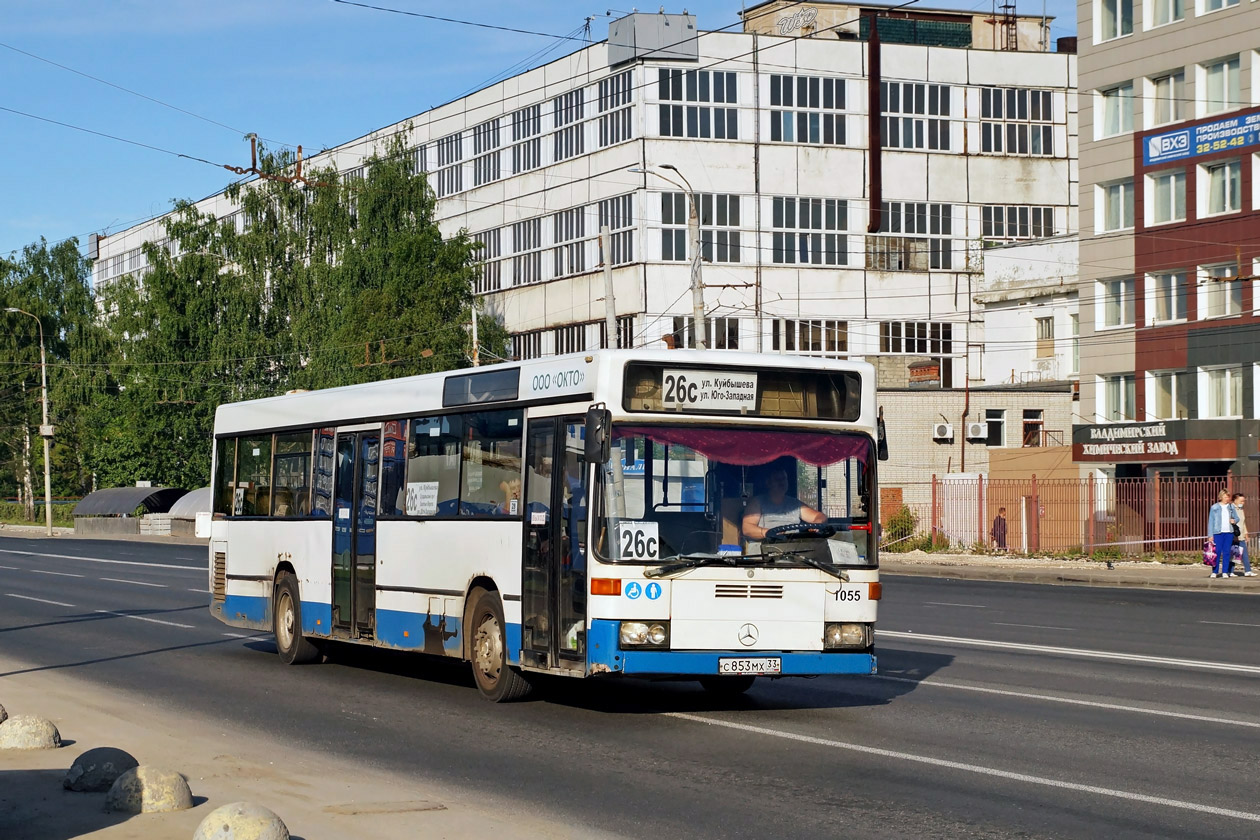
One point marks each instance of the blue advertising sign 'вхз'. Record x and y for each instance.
(1219, 136)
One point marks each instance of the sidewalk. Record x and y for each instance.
(318, 796)
(1129, 573)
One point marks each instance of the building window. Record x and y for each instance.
(450, 174)
(1166, 393)
(1217, 5)
(1168, 94)
(1034, 424)
(698, 120)
(569, 232)
(1167, 297)
(615, 95)
(916, 338)
(1045, 337)
(1117, 110)
(617, 214)
(723, 333)
(807, 231)
(1016, 222)
(1016, 121)
(570, 339)
(1117, 205)
(674, 231)
(924, 243)
(489, 277)
(1116, 18)
(567, 111)
(1220, 294)
(1224, 187)
(995, 421)
(1075, 321)
(527, 345)
(915, 115)
(417, 160)
(625, 332)
(807, 109)
(1167, 196)
(1220, 392)
(527, 252)
(1222, 81)
(814, 338)
(1117, 298)
(1167, 11)
(527, 144)
(1119, 397)
(486, 150)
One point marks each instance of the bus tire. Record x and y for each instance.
(286, 624)
(487, 648)
(727, 686)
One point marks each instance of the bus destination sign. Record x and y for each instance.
(709, 390)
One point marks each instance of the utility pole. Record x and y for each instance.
(699, 323)
(476, 356)
(610, 310)
(45, 429)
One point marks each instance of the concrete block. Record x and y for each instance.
(241, 821)
(27, 732)
(96, 770)
(149, 790)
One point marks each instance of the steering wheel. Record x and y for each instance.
(821, 530)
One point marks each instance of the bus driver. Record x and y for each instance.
(775, 508)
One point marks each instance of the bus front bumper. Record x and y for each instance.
(604, 655)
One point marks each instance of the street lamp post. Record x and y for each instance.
(45, 430)
(700, 323)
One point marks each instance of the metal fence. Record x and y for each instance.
(1127, 515)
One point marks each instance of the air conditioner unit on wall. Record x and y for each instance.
(942, 431)
(977, 431)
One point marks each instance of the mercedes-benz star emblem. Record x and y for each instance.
(748, 634)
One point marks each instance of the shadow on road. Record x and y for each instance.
(120, 656)
(100, 616)
(35, 806)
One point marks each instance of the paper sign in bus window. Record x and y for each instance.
(422, 498)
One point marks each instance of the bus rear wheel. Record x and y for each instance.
(727, 686)
(487, 648)
(286, 621)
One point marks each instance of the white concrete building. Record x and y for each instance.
(774, 133)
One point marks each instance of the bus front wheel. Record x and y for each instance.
(293, 647)
(497, 680)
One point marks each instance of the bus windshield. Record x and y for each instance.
(676, 491)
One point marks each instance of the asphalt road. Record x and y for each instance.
(1001, 710)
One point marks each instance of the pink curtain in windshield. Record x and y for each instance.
(749, 448)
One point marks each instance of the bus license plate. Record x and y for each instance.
(759, 665)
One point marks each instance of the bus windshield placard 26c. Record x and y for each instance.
(709, 390)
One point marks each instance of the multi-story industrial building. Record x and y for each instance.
(849, 163)
(1170, 234)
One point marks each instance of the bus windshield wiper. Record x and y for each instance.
(679, 563)
(803, 557)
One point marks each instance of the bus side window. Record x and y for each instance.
(433, 466)
(253, 475)
(321, 505)
(224, 474)
(491, 462)
(291, 496)
(393, 481)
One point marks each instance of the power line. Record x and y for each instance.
(472, 23)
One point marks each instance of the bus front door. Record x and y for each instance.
(354, 534)
(553, 602)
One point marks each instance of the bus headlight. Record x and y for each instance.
(645, 634)
(847, 636)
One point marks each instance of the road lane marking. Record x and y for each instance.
(1230, 623)
(203, 591)
(10, 568)
(1087, 654)
(145, 618)
(947, 604)
(1035, 626)
(240, 635)
(972, 768)
(103, 560)
(1094, 704)
(40, 600)
(59, 574)
(135, 582)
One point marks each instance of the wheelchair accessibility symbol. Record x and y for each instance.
(653, 591)
(634, 590)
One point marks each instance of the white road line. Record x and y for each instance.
(10, 568)
(1035, 626)
(135, 582)
(40, 600)
(239, 635)
(1230, 623)
(973, 768)
(1087, 654)
(145, 618)
(947, 604)
(103, 560)
(1093, 704)
(59, 574)
(204, 591)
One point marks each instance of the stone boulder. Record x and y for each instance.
(241, 821)
(96, 770)
(148, 790)
(27, 732)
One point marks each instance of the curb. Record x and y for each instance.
(1182, 581)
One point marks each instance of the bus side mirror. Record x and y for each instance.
(598, 438)
(881, 446)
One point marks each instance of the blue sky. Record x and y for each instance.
(312, 72)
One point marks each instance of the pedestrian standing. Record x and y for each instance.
(1240, 538)
(1221, 532)
(998, 531)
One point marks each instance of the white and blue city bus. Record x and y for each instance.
(659, 514)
